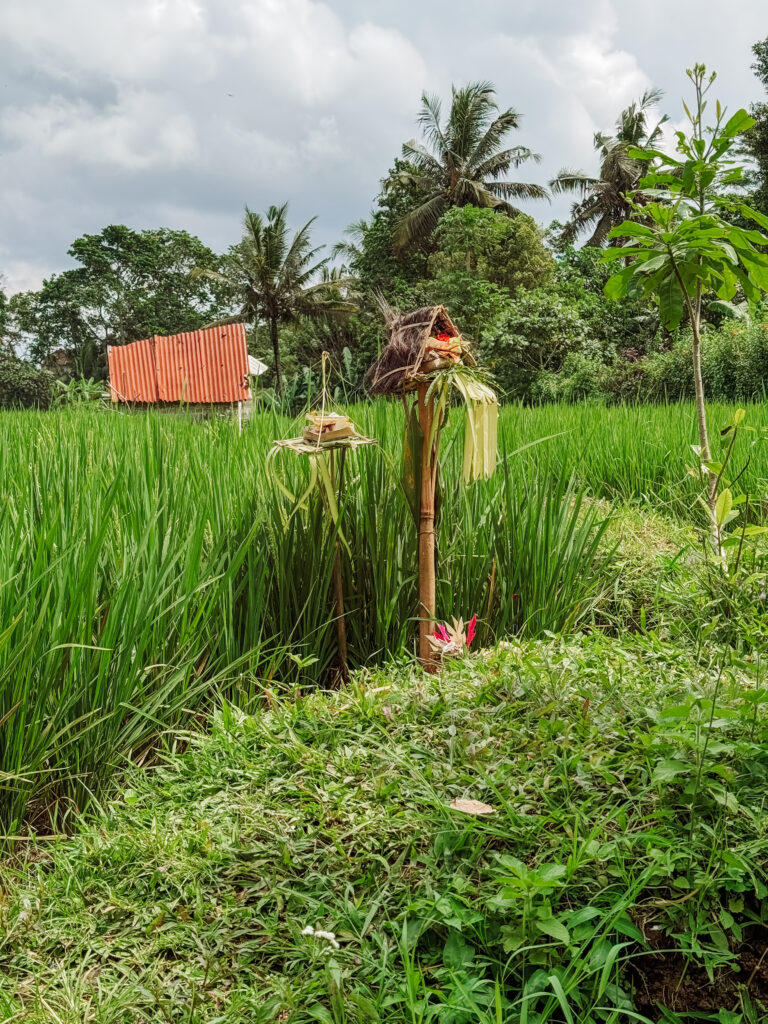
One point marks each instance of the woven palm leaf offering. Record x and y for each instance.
(424, 361)
(329, 426)
(326, 439)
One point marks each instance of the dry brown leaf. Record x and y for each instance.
(472, 807)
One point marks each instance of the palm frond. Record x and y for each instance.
(422, 160)
(497, 131)
(600, 233)
(421, 222)
(517, 190)
(568, 180)
(429, 118)
(472, 108)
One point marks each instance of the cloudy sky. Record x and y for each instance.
(177, 112)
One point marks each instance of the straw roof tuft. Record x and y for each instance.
(404, 360)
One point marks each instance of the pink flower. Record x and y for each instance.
(471, 626)
(452, 640)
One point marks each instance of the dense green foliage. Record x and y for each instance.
(128, 285)
(505, 251)
(23, 386)
(625, 866)
(757, 137)
(734, 365)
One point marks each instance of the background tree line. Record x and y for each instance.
(444, 228)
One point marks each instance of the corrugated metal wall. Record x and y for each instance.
(204, 367)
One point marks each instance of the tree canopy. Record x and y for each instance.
(463, 161)
(129, 285)
(507, 251)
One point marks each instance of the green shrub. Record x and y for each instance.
(734, 367)
(22, 386)
(534, 333)
(581, 378)
(504, 251)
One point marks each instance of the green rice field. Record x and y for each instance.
(149, 564)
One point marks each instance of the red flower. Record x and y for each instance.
(471, 626)
(451, 641)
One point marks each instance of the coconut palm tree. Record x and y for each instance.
(461, 162)
(350, 247)
(272, 276)
(603, 202)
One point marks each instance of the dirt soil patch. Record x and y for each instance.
(667, 979)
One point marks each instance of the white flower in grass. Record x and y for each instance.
(317, 933)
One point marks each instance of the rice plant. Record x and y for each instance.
(149, 565)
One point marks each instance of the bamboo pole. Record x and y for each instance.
(427, 598)
(336, 581)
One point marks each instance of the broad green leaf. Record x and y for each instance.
(457, 952)
(554, 929)
(617, 285)
(751, 214)
(671, 303)
(723, 506)
(737, 123)
(666, 771)
(630, 229)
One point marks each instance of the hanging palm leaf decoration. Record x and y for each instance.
(325, 435)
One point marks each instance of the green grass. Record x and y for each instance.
(629, 813)
(149, 565)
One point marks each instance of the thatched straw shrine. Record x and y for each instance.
(419, 342)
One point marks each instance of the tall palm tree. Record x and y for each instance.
(272, 276)
(603, 202)
(461, 162)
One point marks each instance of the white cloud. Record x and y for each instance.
(135, 133)
(21, 275)
(178, 112)
(141, 109)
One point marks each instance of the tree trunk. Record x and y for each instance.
(275, 338)
(427, 656)
(701, 417)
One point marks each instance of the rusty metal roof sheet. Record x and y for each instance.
(208, 366)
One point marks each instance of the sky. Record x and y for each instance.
(176, 113)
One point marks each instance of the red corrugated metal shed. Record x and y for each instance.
(208, 366)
